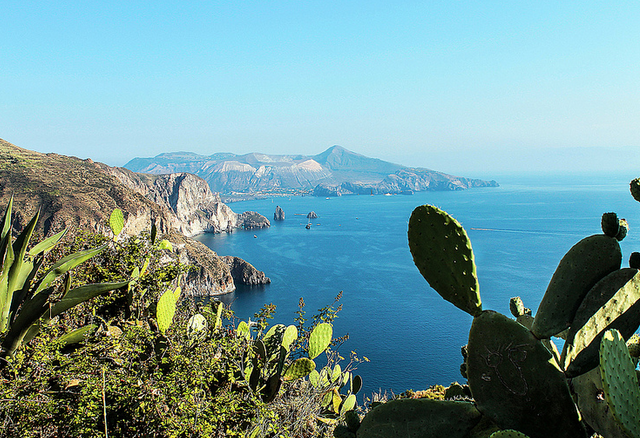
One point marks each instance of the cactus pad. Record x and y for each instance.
(515, 382)
(319, 339)
(634, 187)
(299, 368)
(509, 433)
(614, 302)
(610, 224)
(442, 253)
(166, 308)
(593, 406)
(620, 382)
(516, 306)
(586, 263)
(425, 418)
(116, 221)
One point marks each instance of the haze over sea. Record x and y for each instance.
(358, 245)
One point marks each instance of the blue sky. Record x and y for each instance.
(465, 87)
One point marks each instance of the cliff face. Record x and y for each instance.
(187, 196)
(70, 192)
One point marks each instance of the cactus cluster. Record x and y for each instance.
(268, 363)
(520, 384)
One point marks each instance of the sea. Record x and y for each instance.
(358, 246)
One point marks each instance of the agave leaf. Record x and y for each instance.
(31, 311)
(66, 264)
(81, 294)
(5, 304)
(19, 250)
(20, 295)
(78, 335)
(47, 243)
(5, 233)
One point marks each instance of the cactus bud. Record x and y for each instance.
(610, 224)
(634, 186)
(634, 260)
(516, 306)
(623, 230)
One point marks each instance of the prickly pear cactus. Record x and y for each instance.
(593, 406)
(610, 224)
(586, 263)
(166, 308)
(424, 418)
(116, 221)
(508, 434)
(299, 368)
(620, 382)
(515, 382)
(442, 252)
(319, 339)
(614, 302)
(634, 187)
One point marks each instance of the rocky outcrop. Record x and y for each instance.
(252, 219)
(278, 215)
(312, 215)
(70, 192)
(187, 196)
(244, 273)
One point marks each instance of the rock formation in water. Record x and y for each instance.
(244, 272)
(278, 215)
(70, 192)
(251, 219)
(312, 215)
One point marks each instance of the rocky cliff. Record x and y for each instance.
(190, 199)
(70, 192)
(244, 272)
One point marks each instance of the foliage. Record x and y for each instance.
(134, 371)
(28, 295)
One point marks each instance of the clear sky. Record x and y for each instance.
(464, 87)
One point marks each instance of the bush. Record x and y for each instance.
(125, 377)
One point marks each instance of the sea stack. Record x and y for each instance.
(279, 214)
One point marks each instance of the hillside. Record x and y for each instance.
(75, 193)
(333, 172)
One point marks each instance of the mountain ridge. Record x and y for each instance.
(333, 172)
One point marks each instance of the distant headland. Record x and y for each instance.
(335, 172)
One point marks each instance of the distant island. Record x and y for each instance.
(335, 172)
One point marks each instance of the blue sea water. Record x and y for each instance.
(358, 245)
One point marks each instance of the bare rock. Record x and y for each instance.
(243, 272)
(250, 220)
(279, 214)
(312, 215)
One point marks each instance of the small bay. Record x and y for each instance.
(358, 245)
